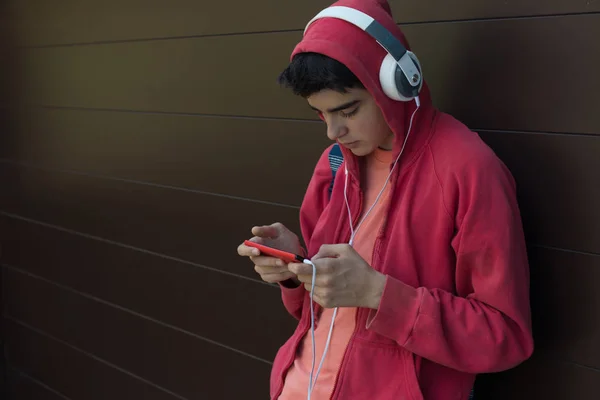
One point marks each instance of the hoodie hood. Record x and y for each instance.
(357, 50)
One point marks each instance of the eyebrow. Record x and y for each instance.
(340, 107)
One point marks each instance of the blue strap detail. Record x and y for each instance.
(335, 160)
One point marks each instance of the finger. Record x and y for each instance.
(323, 272)
(321, 297)
(301, 269)
(276, 277)
(267, 231)
(270, 269)
(247, 251)
(267, 261)
(306, 279)
(323, 281)
(330, 251)
(317, 292)
(324, 266)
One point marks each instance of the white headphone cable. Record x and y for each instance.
(312, 382)
(353, 232)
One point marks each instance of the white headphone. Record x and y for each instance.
(400, 72)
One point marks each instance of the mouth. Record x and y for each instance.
(350, 144)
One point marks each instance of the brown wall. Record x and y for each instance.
(124, 193)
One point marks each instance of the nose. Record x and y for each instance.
(335, 128)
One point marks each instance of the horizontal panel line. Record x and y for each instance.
(134, 313)
(38, 382)
(157, 39)
(66, 288)
(94, 357)
(143, 183)
(506, 18)
(138, 249)
(529, 132)
(594, 369)
(258, 118)
(27, 165)
(585, 253)
(175, 113)
(299, 30)
(216, 270)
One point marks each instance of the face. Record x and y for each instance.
(353, 119)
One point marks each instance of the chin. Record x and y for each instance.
(361, 151)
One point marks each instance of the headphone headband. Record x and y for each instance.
(378, 32)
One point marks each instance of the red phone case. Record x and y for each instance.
(282, 255)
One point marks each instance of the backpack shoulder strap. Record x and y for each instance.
(335, 160)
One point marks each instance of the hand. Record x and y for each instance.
(271, 269)
(344, 278)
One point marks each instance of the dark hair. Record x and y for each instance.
(309, 73)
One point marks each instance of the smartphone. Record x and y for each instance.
(270, 251)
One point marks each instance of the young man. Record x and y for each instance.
(418, 250)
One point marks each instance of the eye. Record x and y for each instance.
(349, 114)
(320, 115)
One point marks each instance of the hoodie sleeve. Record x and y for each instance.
(315, 200)
(484, 327)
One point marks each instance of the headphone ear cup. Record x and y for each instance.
(394, 83)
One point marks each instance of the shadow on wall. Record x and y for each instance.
(7, 102)
(481, 62)
(9, 79)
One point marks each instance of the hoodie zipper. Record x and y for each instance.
(342, 363)
(307, 326)
(334, 390)
(376, 253)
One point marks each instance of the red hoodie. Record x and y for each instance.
(456, 300)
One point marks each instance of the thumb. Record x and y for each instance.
(267, 231)
(330, 251)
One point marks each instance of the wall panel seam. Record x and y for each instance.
(138, 249)
(262, 118)
(299, 30)
(37, 382)
(131, 312)
(92, 356)
(172, 113)
(585, 253)
(143, 183)
(587, 367)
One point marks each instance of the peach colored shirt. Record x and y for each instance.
(296, 381)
